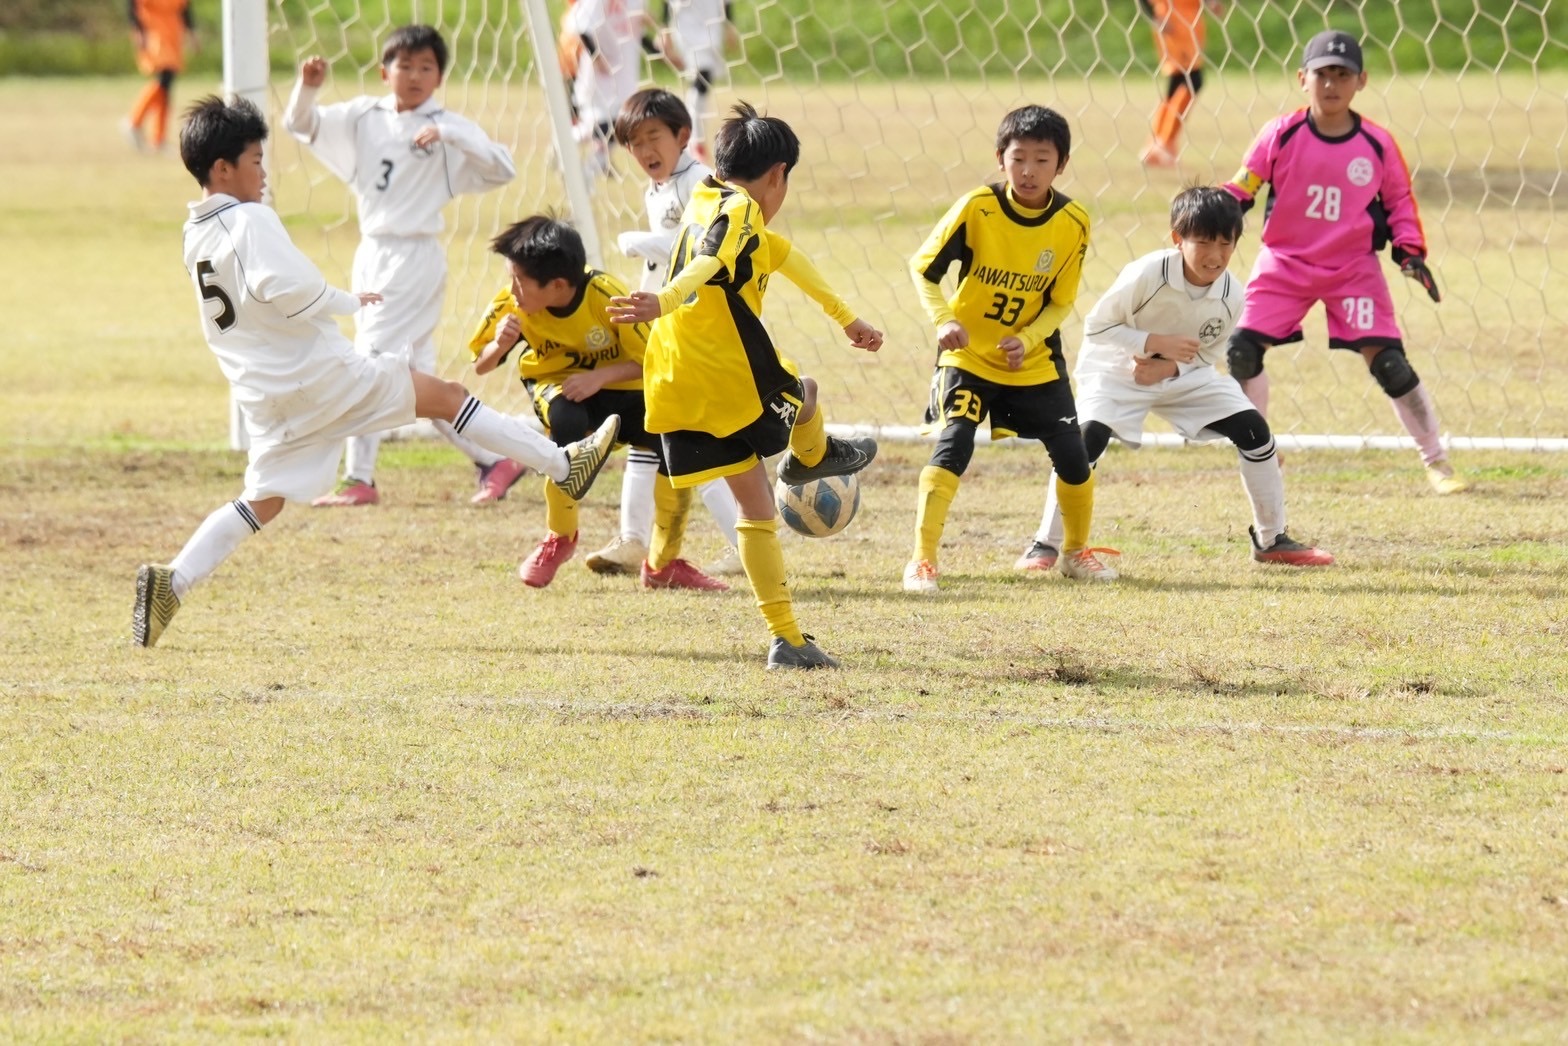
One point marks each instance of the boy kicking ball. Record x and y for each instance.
(266, 312)
(1150, 345)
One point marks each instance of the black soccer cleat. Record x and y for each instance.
(844, 457)
(808, 655)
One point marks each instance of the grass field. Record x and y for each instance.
(370, 786)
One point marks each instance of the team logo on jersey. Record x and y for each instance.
(672, 216)
(422, 151)
(1046, 260)
(1360, 171)
(597, 337)
(1210, 331)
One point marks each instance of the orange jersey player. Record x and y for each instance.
(161, 31)
(1179, 35)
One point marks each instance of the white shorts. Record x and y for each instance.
(1188, 401)
(410, 271)
(304, 468)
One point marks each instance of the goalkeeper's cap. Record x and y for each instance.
(1332, 47)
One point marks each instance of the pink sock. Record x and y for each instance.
(1418, 415)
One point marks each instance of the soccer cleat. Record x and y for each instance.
(727, 565)
(1157, 155)
(1445, 480)
(587, 456)
(349, 492)
(621, 556)
(1289, 551)
(1084, 565)
(920, 576)
(539, 568)
(784, 654)
(1038, 556)
(496, 480)
(133, 137)
(156, 604)
(844, 457)
(678, 573)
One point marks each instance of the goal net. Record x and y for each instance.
(896, 105)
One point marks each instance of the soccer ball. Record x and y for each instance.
(819, 508)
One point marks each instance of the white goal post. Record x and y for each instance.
(896, 111)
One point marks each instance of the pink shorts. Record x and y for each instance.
(1359, 307)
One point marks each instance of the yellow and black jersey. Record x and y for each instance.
(1018, 274)
(578, 336)
(710, 364)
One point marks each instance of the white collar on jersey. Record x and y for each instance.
(426, 108)
(1176, 275)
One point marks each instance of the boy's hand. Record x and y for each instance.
(578, 387)
(1414, 266)
(1172, 347)
(636, 307)
(427, 136)
(369, 298)
(508, 331)
(1149, 371)
(1013, 349)
(864, 336)
(951, 335)
(313, 71)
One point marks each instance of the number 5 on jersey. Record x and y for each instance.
(213, 292)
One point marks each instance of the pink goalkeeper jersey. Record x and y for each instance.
(1331, 199)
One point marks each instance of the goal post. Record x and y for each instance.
(896, 105)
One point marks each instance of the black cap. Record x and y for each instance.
(1332, 47)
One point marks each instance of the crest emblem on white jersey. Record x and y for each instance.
(1045, 261)
(422, 151)
(1210, 331)
(597, 337)
(1360, 171)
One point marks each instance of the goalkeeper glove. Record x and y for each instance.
(1414, 266)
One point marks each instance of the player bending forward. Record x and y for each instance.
(266, 312)
(1150, 344)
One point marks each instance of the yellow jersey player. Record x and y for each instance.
(719, 394)
(580, 368)
(1019, 246)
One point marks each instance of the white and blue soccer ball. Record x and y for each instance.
(820, 508)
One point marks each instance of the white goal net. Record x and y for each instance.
(896, 105)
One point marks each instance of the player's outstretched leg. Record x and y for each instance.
(813, 454)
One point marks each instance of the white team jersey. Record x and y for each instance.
(617, 28)
(401, 188)
(666, 202)
(1151, 296)
(267, 311)
(698, 26)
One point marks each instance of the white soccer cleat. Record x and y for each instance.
(1085, 565)
(920, 576)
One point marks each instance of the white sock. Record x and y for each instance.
(1418, 414)
(477, 454)
(717, 496)
(214, 541)
(1265, 487)
(360, 461)
(511, 438)
(642, 468)
(1051, 531)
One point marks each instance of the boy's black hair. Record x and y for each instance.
(652, 103)
(408, 39)
(217, 130)
(749, 144)
(1206, 212)
(545, 249)
(1035, 123)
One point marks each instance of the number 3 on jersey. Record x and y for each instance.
(1005, 309)
(213, 292)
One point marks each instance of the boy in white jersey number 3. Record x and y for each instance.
(404, 156)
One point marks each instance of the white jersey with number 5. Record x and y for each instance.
(266, 312)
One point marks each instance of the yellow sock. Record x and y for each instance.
(757, 541)
(938, 487)
(1077, 511)
(808, 440)
(671, 507)
(560, 511)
